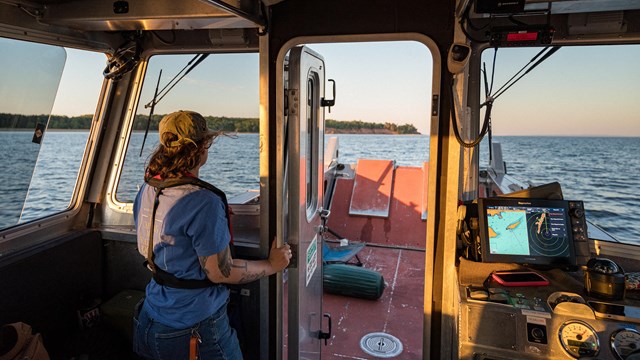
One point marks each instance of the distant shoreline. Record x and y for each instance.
(329, 131)
(19, 122)
(332, 131)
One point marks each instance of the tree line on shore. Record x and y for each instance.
(223, 123)
(357, 126)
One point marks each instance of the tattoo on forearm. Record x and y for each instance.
(249, 277)
(241, 265)
(203, 263)
(224, 262)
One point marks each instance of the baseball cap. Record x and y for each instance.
(188, 126)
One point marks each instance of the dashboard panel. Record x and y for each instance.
(541, 323)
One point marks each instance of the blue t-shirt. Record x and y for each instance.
(190, 222)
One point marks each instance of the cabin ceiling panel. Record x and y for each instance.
(20, 23)
(334, 17)
(217, 40)
(581, 6)
(486, 8)
(300, 18)
(584, 28)
(99, 15)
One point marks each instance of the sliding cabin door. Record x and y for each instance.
(305, 144)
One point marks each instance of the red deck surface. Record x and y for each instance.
(396, 249)
(398, 312)
(404, 225)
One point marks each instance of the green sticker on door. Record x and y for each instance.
(312, 258)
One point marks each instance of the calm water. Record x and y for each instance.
(603, 172)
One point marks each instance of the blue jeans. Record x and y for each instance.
(153, 340)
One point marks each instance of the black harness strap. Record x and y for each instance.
(160, 276)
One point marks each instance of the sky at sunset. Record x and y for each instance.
(572, 93)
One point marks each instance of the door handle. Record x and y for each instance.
(325, 335)
(330, 102)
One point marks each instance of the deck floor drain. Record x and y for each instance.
(381, 345)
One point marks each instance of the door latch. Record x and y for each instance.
(325, 335)
(324, 213)
(324, 216)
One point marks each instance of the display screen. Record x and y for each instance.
(525, 231)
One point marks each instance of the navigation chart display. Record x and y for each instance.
(525, 231)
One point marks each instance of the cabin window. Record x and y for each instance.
(572, 119)
(48, 95)
(221, 87)
(311, 149)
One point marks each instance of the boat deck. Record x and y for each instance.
(398, 312)
(393, 227)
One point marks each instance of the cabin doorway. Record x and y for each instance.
(376, 141)
(304, 190)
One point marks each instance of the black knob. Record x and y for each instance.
(537, 333)
(577, 213)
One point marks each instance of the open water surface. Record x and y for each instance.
(604, 172)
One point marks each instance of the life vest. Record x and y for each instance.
(160, 276)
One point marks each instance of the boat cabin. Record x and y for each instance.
(505, 230)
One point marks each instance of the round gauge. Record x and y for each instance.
(624, 342)
(579, 339)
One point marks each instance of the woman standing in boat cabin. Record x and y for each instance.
(183, 230)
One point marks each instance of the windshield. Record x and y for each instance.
(574, 119)
(234, 159)
(30, 79)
